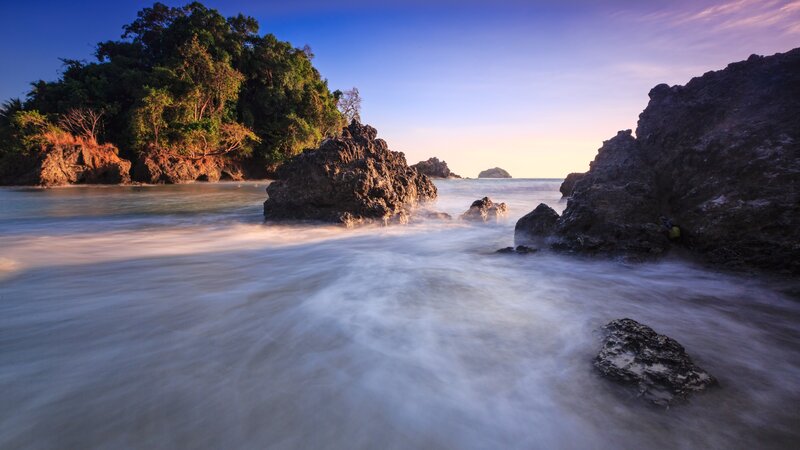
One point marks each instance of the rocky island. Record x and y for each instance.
(350, 179)
(714, 168)
(495, 172)
(434, 168)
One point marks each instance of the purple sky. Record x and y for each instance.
(533, 87)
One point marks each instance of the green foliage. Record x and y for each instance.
(189, 81)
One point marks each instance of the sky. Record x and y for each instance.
(533, 87)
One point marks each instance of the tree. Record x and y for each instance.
(149, 117)
(83, 122)
(349, 104)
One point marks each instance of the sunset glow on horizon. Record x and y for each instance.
(532, 87)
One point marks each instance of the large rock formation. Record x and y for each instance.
(485, 210)
(494, 173)
(351, 179)
(658, 365)
(156, 168)
(569, 183)
(434, 168)
(55, 165)
(714, 167)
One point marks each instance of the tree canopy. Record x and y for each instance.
(189, 81)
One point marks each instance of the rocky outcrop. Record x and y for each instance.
(657, 365)
(538, 223)
(569, 183)
(485, 210)
(714, 168)
(56, 165)
(494, 173)
(157, 168)
(350, 179)
(433, 168)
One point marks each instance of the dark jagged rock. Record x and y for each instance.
(520, 249)
(719, 158)
(56, 165)
(157, 168)
(484, 210)
(350, 179)
(569, 183)
(434, 168)
(494, 173)
(536, 224)
(658, 365)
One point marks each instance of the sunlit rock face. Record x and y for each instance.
(351, 179)
(495, 172)
(76, 163)
(485, 210)
(172, 169)
(434, 168)
(657, 365)
(719, 158)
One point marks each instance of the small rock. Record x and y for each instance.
(658, 365)
(434, 168)
(484, 210)
(506, 250)
(538, 223)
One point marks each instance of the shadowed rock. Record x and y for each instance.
(536, 224)
(569, 183)
(494, 173)
(657, 365)
(485, 210)
(350, 179)
(434, 168)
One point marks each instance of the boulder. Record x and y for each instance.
(657, 365)
(484, 210)
(56, 165)
(351, 179)
(494, 173)
(539, 223)
(569, 183)
(715, 165)
(168, 168)
(433, 168)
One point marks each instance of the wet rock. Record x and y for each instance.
(494, 173)
(718, 157)
(433, 168)
(55, 165)
(657, 365)
(485, 210)
(166, 168)
(538, 223)
(506, 250)
(520, 249)
(569, 183)
(350, 179)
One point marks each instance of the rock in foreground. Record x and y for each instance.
(714, 167)
(494, 173)
(434, 168)
(536, 224)
(350, 179)
(658, 365)
(485, 210)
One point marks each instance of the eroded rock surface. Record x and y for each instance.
(351, 179)
(657, 365)
(485, 210)
(57, 165)
(172, 169)
(434, 168)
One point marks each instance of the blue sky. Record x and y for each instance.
(533, 87)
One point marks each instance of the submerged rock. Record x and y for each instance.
(569, 183)
(658, 365)
(350, 179)
(434, 168)
(484, 210)
(157, 168)
(494, 173)
(718, 160)
(520, 249)
(538, 223)
(78, 163)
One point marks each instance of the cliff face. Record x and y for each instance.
(719, 158)
(434, 168)
(350, 179)
(55, 165)
(171, 169)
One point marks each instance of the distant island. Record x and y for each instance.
(187, 94)
(494, 173)
(434, 168)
